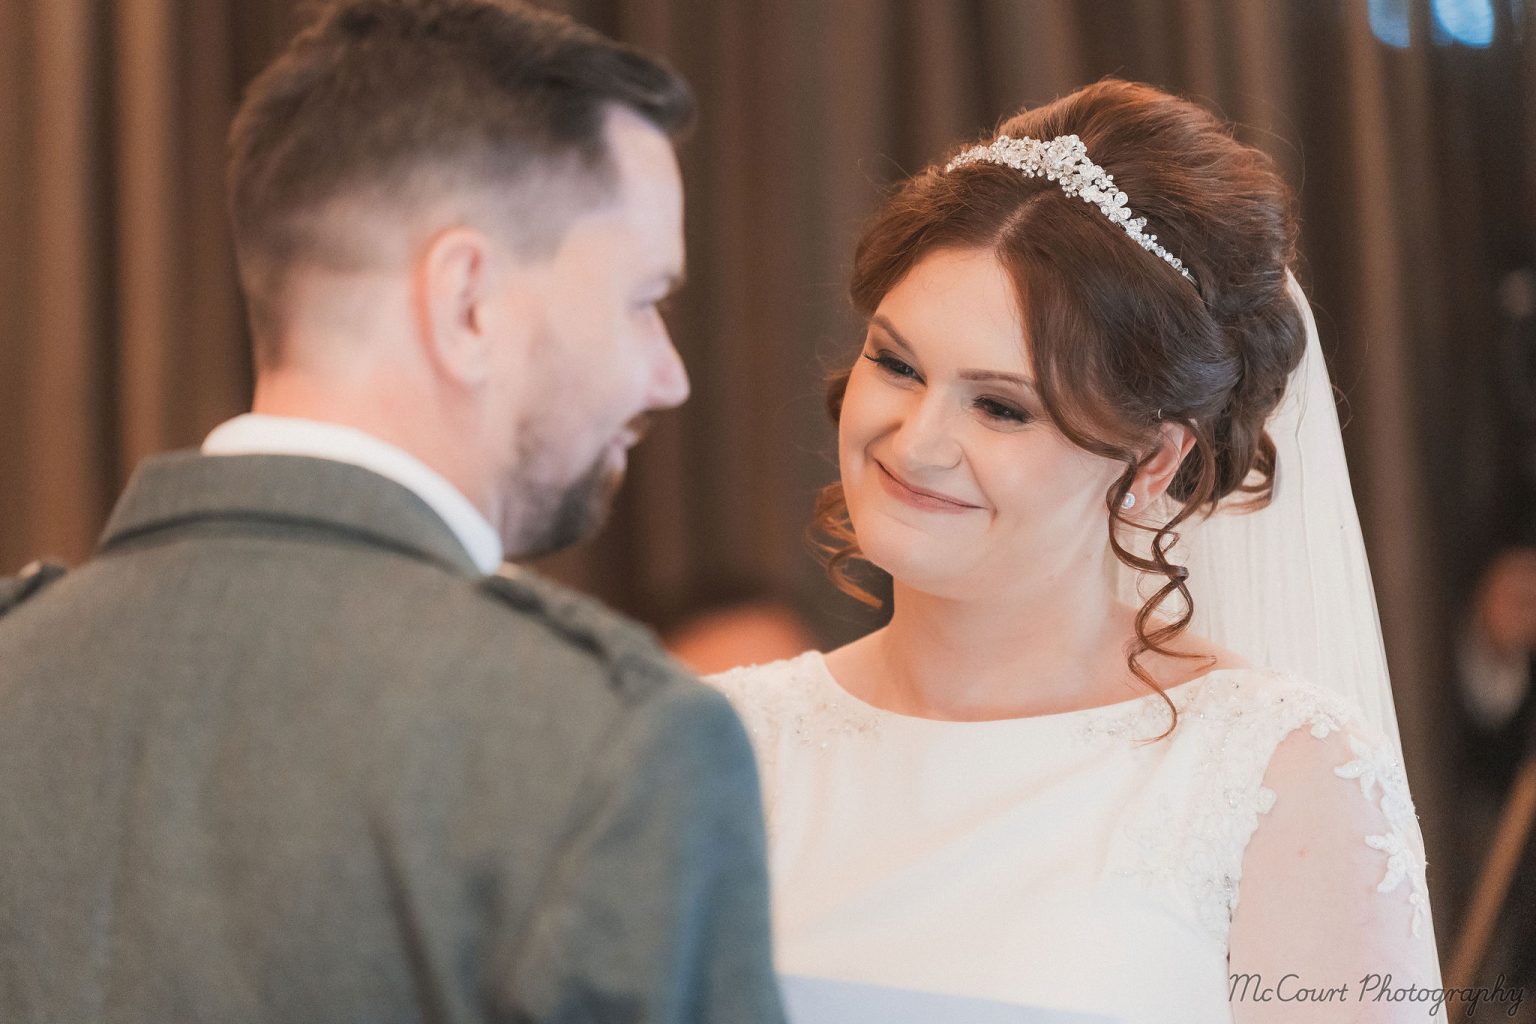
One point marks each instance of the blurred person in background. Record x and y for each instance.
(1497, 644)
(291, 746)
(728, 622)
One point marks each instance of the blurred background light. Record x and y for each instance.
(1389, 21)
(1469, 22)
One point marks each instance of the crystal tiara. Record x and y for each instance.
(1064, 160)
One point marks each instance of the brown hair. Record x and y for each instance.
(376, 93)
(1120, 341)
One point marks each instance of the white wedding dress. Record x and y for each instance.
(1055, 861)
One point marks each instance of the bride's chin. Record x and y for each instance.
(923, 555)
(928, 572)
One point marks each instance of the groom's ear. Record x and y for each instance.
(1162, 462)
(450, 279)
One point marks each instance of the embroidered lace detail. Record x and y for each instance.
(1193, 841)
(1139, 720)
(1188, 844)
(789, 701)
(1376, 768)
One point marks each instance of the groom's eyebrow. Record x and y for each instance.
(972, 375)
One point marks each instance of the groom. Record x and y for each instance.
(291, 748)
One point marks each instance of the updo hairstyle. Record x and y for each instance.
(1121, 343)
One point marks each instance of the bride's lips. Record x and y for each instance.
(931, 501)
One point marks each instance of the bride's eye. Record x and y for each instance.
(996, 410)
(893, 366)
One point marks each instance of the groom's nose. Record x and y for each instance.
(668, 384)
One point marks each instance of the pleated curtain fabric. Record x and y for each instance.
(120, 326)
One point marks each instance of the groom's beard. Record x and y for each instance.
(556, 518)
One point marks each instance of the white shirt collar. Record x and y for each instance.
(261, 434)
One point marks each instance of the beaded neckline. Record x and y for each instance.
(815, 663)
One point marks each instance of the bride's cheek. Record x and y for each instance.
(865, 416)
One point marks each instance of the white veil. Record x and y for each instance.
(1289, 587)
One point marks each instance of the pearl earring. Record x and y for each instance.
(1129, 501)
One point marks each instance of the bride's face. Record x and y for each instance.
(956, 482)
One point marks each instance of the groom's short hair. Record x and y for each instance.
(385, 106)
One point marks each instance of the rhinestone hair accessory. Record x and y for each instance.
(1064, 160)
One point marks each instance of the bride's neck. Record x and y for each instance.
(942, 657)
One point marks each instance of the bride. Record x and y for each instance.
(1126, 746)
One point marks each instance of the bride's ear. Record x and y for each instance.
(1159, 466)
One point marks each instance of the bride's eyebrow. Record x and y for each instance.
(973, 375)
(885, 325)
(1007, 378)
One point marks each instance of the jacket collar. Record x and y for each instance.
(182, 488)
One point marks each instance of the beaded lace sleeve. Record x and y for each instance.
(1331, 893)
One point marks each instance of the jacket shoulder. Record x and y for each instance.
(635, 664)
(30, 582)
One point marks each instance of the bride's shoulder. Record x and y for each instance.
(755, 685)
(1231, 687)
(1277, 700)
(1285, 757)
(1327, 778)
(1276, 718)
(1281, 687)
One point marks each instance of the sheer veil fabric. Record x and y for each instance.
(1288, 587)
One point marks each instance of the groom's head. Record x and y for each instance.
(454, 221)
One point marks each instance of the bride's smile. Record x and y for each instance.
(918, 497)
(954, 476)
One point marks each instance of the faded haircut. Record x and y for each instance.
(391, 105)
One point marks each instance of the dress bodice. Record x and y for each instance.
(1071, 860)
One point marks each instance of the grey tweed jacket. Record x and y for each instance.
(279, 753)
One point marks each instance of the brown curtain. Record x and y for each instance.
(118, 310)
(120, 330)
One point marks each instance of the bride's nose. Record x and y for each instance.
(925, 439)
